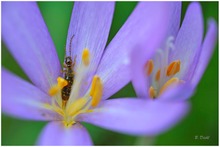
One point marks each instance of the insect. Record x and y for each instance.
(68, 75)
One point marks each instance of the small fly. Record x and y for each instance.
(68, 75)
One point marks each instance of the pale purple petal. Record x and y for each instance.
(144, 27)
(139, 79)
(55, 133)
(206, 53)
(188, 41)
(177, 93)
(136, 116)
(23, 100)
(90, 25)
(27, 38)
(174, 19)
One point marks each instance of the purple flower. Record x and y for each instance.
(172, 72)
(97, 76)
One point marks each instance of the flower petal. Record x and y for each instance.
(90, 25)
(22, 100)
(142, 54)
(139, 78)
(178, 93)
(188, 41)
(143, 26)
(26, 36)
(174, 19)
(136, 116)
(56, 134)
(207, 51)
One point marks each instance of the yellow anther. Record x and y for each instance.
(96, 91)
(152, 92)
(61, 82)
(86, 57)
(58, 87)
(53, 90)
(94, 80)
(76, 106)
(173, 68)
(149, 66)
(157, 77)
(170, 82)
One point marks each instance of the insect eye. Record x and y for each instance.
(68, 60)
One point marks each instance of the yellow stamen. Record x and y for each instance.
(173, 68)
(58, 87)
(68, 124)
(152, 92)
(149, 66)
(53, 90)
(76, 106)
(170, 82)
(96, 91)
(89, 111)
(157, 77)
(61, 82)
(86, 57)
(54, 108)
(94, 80)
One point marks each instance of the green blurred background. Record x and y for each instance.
(201, 121)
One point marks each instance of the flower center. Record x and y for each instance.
(70, 108)
(162, 73)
